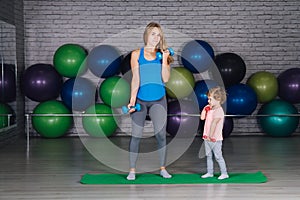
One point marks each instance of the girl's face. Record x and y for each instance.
(212, 101)
(154, 37)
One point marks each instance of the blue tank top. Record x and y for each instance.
(152, 87)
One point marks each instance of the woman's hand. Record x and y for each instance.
(131, 105)
(166, 54)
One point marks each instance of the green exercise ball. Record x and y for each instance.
(5, 110)
(115, 91)
(265, 85)
(278, 126)
(69, 60)
(181, 83)
(51, 126)
(99, 126)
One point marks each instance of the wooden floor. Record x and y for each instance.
(51, 169)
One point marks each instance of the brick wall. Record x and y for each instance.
(266, 34)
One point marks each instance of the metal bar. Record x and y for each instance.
(183, 115)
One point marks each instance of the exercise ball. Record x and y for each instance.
(126, 67)
(241, 100)
(231, 67)
(115, 91)
(181, 83)
(201, 88)
(5, 110)
(104, 61)
(78, 93)
(278, 126)
(51, 126)
(265, 85)
(69, 60)
(179, 125)
(99, 126)
(289, 85)
(227, 127)
(197, 56)
(7, 83)
(41, 82)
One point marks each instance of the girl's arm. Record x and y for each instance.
(135, 82)
(204, 112)
(165, 67)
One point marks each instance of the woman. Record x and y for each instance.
(149, 74)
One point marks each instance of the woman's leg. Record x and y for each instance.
(158, 115)
(138, 120)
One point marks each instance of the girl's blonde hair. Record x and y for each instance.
(162, 45)
(217, 93)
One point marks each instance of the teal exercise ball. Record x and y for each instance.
(278, 126)
(69, 60)
(99, 126)
(181, 83)
(51, 126)
(5, 110)
(265, 85)
(115, 91)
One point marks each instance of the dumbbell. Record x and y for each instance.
(125, 109)
(207, 108)
(159, 54)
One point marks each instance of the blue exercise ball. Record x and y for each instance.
(197, 56)
(41, 82)
(104, 61)
(78, 93)
(241, 100)
(201, 88)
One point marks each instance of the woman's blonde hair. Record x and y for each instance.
(217, 93)
(162, 45)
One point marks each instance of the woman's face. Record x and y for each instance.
(154, 37)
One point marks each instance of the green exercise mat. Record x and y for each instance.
(242, 178)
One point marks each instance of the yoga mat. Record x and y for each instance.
(242, 178)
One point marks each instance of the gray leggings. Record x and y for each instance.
(158, 115)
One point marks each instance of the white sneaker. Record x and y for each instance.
(207, 175)
(131, 176)
(165, 174)
(223, 176)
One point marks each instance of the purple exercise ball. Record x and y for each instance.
(182, 126)
(7, 84)
(228, 127)
(41, 82)
(289, 85)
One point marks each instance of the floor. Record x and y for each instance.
(52, 168)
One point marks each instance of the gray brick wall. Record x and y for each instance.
(266, 34)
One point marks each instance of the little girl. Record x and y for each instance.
(213, 114)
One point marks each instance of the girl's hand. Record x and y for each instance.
(204, 137)
(212, 139)
(207, 108)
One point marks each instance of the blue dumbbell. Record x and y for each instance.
(125, 109)
(159, 54)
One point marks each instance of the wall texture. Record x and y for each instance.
(266, 34)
